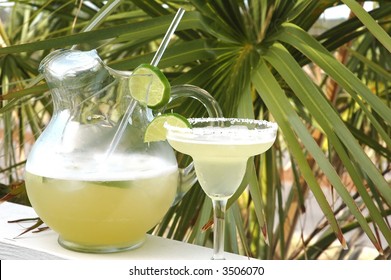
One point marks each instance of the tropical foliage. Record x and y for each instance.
(329, 93)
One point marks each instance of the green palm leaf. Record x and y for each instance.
(290, 124)
(370, 23)
(140, 30)
(249, 55)
(317, 106)
(318, 54)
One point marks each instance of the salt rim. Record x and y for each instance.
(232, 121)
(225, 131)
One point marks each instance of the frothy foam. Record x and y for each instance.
(115, 168)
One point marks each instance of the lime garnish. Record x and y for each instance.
(150, 77)
(155, 130)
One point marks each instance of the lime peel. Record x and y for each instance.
(155, 131)
(149, 85)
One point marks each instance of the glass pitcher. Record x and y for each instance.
(90, 176)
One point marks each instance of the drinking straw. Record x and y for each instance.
(158, 55)
(167, 37)
(120, 130)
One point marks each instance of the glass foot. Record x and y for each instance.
(99, 249)
(216, 258)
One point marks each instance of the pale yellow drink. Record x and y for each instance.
(220, 148)
(220, 162)
(95, 214)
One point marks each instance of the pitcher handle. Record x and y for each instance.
(187, 176)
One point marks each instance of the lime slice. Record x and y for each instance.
(155, 130)
(150, 77)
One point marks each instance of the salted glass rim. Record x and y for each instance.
(265, 127)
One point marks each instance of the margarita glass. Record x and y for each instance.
(220, 148)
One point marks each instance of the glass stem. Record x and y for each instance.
(219, 207)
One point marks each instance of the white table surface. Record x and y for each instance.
(44, 245)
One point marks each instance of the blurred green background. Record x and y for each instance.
(324, 79)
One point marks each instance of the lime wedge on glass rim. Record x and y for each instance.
(149, 85)
(155, 130)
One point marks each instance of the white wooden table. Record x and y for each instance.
(44, 245)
